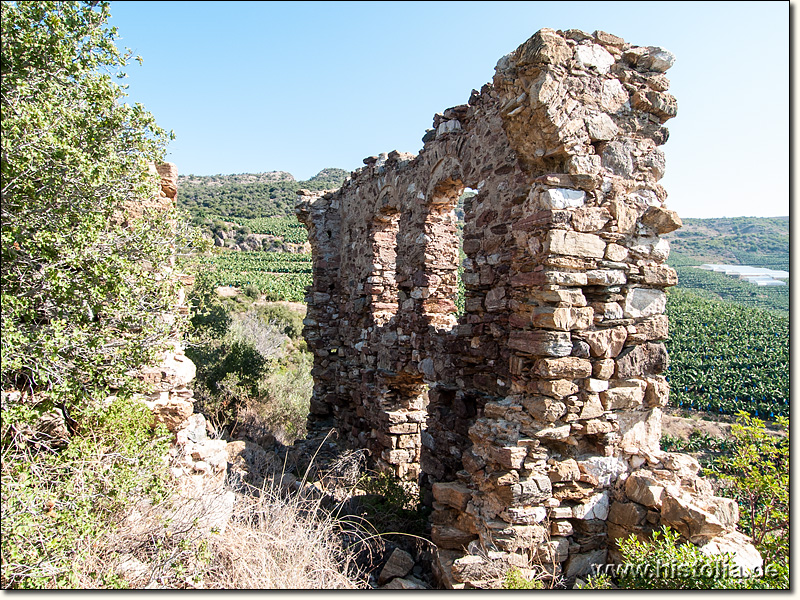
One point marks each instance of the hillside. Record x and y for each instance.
(754, 241)
(249, 195)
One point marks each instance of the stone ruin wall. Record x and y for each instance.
(535, 417)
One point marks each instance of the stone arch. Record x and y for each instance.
(382, 280)
(437, 277)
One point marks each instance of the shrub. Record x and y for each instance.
(514, 580)
(664, 564)
(81, 281)
(251, 291)
(57, 504)
(756, 474)
(286, 319)
(83, 287)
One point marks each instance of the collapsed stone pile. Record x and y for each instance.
(534, 417)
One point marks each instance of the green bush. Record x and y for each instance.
(83, 288)
(81, 278)
(514, 580)
(286, 319)
(664, 564)
(58, 503)
(392, 505)
(756, 474)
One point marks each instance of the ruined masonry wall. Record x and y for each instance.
(536, 415)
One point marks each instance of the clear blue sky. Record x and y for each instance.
(300, 86)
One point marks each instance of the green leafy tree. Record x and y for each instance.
(81, 279)
(757, 475)
(86, 292)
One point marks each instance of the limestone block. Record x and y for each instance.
(560, 198)
(565, 278)
(563, 319)
(564, 470)
(534, 489)
(592, 406)
(452, 494)
(662, 220)
(554, 433)
(579, 565)
(554, 551)
(604, 369)
(541, 343)
(604, 469)
(616, 253)
(573, 243)
(624, 394)
(544, 408)
(657, 393)
(641, 487)
(509, 457)
(563, 528)
(651, 247)
(725, 510)
(517, 537)
(405, 583)
(595, 507)
(612, 95)
(601, 127)
(496, 299)
(652, 328)
(596, 426)
(567, 297)
(607, 311)
(605, 343)
(451, 538)
(569, 367)
(247, 459)
(399, 564)
(640, 429)
(745, 556)
(595, 56)
(688, 519)
(651, 58)
(644, 359)
(526, 515)
(606, 277)
(396, 457)
(557, 388)
(561, 512)
(660, 275)
(644, 302)
(627, 514)
(596, 385)
(544, 47)
(171, 412)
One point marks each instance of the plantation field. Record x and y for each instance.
(725, 357)
(288, 228)
(278, 275)
(722, 287)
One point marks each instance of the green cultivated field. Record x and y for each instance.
(722, 287)
(278, 275)
(725, 357)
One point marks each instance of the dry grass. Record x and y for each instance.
(272, 539)
(282, 543)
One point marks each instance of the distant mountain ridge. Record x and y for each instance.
(215, 180)
(737, 240)
(249, 195)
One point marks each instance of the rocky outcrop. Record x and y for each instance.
(535, 416)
